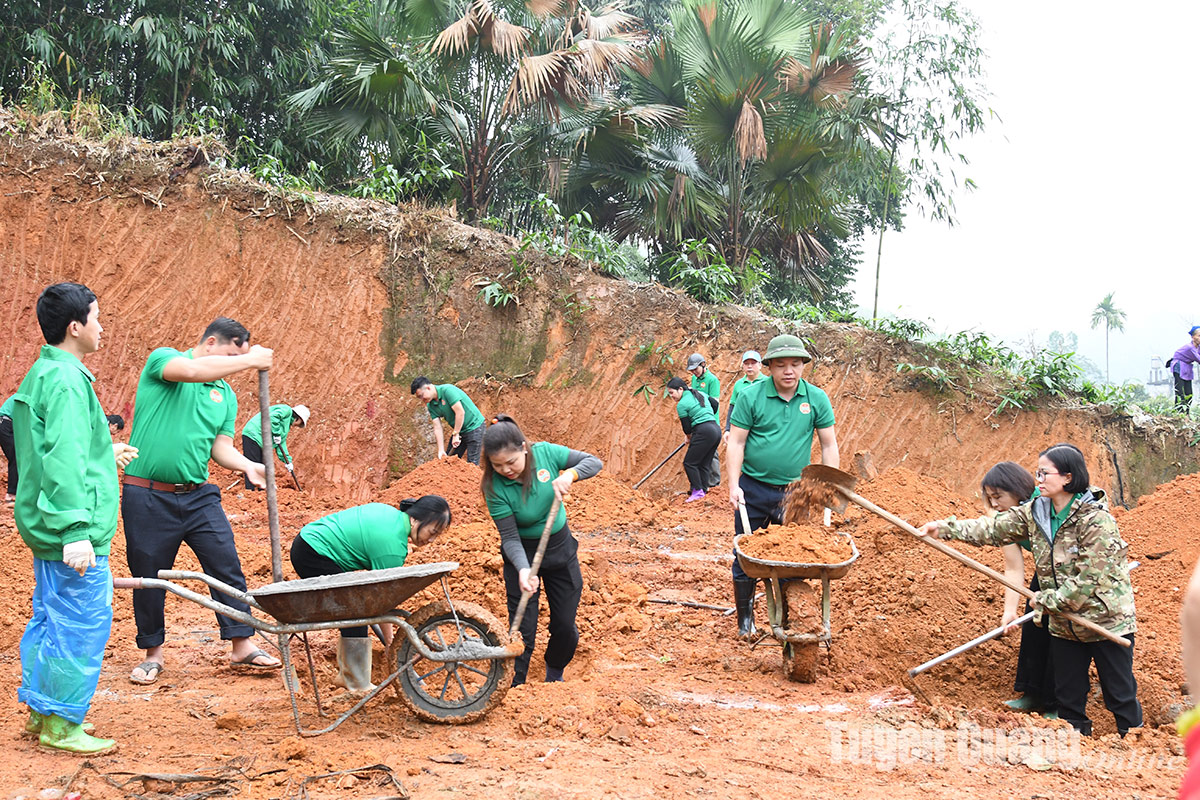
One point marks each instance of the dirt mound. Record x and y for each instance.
(797, 544)
(452, 478)
(602, 502)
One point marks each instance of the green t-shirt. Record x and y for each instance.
(68, 490)
(708, 384)
(176, 423)
(696, 411)
(371, 536)
(6, 410)
(780, 432)
(744, 383)
(442, 407)
(281, 424)
(507, 497)
(1059, 517)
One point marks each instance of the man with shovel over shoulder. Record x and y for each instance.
(770, 442)
(283, 417)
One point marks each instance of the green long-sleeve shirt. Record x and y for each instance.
(281, 425)
(68, 488)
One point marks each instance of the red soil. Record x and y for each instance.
(797, 544)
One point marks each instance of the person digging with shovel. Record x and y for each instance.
(283, 417)
(770, 442)
(371, 536)
(1082, 566)
(703, 434)
(522, 483)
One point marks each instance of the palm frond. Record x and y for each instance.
(506, 40)
(455, 38)
(609, 21)
(539, 77)
(748, 134)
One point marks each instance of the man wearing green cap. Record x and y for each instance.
(770, 442)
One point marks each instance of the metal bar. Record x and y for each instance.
(312, 673)
(660, 466)
(723, 609)
(962, 648)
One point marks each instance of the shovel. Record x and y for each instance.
(534, 567)
(843, 483)
(660, 466)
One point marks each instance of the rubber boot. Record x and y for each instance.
(743, 601)
(34, 725)
(354, 664)
(62, 734)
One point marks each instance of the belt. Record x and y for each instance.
(159, 486)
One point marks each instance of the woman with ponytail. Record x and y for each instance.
(371, 536)
(521, 481)
(703, 434)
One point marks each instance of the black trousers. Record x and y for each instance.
(1114, 665)
(1183, 393)
(697, 461)
(1035, 667)
(470, 443)
(560, 577)
(10, 452)
(253, 451)
(156, 523)
(764, 505)
(308, 563)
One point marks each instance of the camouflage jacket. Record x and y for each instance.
(1083, 569)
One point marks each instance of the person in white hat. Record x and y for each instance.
(282, 418)
(752, 366)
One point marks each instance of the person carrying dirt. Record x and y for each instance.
(282, 417)
(10, 453)
(752, 366)
(447, 401)
(770, 441)
(520, 483)
(184, 414)
(66, 513)
(1005, 486)
(1182, 370)
(703, 435)
(1081, 561)
(709, 385)
(371, 536)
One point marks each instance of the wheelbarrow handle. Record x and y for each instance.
(975, 565)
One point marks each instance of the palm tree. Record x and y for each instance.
(1113, 318)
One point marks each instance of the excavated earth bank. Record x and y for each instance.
(661, 699)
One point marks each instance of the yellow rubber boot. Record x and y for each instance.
(33, 727)
(70, 737)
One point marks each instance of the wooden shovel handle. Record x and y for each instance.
(533, 568)
(975, 565)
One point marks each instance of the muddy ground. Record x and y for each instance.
(661, 699)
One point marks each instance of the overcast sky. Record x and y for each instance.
(1087, 186)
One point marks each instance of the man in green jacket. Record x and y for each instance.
(447, 401)
(282, 418)
(66, 512)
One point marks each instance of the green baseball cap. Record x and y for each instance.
(786, 346)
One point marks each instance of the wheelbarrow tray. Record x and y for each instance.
(350, 595)
(759, 568)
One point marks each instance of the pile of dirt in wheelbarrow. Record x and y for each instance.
(797, 544)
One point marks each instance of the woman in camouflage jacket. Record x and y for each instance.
(1081, 565)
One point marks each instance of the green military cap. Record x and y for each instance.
(786, 346)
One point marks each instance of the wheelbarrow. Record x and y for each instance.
(451, 663)
(800, 649)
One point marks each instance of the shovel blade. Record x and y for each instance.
(833, 478)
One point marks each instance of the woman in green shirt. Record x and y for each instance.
(703, 434)
(371, 536)
(520, 484)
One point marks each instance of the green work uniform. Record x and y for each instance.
(695, 411)
(175, 422)
(780, 432)
(744, 383)
(6, 410)
(68, 490)
(442, 407)
(508, 498)
(371, 536)
(281, 424)
(710, 385)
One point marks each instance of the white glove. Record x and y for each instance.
(289, 466)
(79, 555)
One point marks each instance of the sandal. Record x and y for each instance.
(150, 672)
(251, 661)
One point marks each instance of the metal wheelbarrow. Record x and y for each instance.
(451, 663)
(800, 649)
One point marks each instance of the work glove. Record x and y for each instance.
(79, 555)
(278, 440)
(289, 467)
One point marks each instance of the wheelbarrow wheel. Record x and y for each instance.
(800, 661)
(451, 692)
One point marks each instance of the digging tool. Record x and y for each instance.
(725, 610)
(291, 468)
(264, 407)
(843, 483)
(235, 483)
(962, 648)
(660, 466)
(534, 567)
